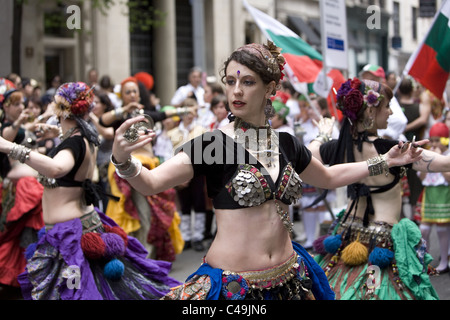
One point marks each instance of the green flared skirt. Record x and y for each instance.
(364, 277)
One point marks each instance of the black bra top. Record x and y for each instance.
(77, 146)
(357, 190)
(236, 179)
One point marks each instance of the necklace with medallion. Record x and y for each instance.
(259, 140)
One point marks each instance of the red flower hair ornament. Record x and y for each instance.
(354, 96)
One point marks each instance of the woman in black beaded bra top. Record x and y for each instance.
(252, 175)
(81, 253)
(368, 246)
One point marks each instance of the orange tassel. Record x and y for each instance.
(355, 253)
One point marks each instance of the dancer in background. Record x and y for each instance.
(369, 252)
(78, 241)
(21, 197)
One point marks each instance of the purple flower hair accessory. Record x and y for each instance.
(372, 98)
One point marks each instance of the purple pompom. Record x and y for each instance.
(318, 245)
(114, 245)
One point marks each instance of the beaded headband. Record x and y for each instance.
(270, 54)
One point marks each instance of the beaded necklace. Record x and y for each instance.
(68, 133)
(264, 139)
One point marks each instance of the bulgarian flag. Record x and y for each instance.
(303, 62)
(430, 63)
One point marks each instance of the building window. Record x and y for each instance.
(185, 47)
(414, 23)
(55, 22)
(427, 8)
(141, 35)
(396, 18)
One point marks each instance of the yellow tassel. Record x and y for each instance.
(355, 253)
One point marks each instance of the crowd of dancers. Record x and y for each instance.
(102, 186)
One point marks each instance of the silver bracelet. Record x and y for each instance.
(377, 165)
(322, 138)
(121, 166)
(182, 111)
(19, 152)
(118, 113)
(133, 170)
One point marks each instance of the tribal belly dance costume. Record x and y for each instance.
(373, 260)
(90, 258)
(231, 186)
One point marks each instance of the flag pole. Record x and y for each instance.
(324, 43)
(397, 85)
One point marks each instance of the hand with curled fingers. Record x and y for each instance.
(129, 138)
(405, 152)
(325, 125)
(46, 131)
(132, 107)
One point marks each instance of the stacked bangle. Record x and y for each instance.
(182, 111)
(378, 165)
(121, 165)
(19, 152)
(322, 138)
(129, 169)
(118, 113)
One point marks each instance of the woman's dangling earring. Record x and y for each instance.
(269, 111)
(368, 123)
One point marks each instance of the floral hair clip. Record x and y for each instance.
(354, 96)
(372, 98)
(276, 59)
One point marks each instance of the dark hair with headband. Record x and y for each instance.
(265, 60)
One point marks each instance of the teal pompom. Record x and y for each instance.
(381, 257)
(332, 243)
(114, 269)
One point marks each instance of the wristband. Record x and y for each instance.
(378, 165)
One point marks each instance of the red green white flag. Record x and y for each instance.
(430, 63)
(303, 62)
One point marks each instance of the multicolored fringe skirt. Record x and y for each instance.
(377, 262)
(293, 279)
(91, 258)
